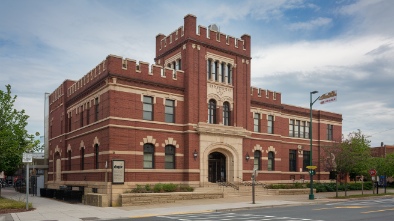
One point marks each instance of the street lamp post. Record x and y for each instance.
(311, 196)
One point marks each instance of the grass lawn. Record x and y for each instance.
(12, 206)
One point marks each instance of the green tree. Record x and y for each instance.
(14, 138)
(351, 156)
(383, 165)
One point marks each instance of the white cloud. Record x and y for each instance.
(309, 25)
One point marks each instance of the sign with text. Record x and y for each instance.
(118, 171)
(27, 158)
(328, 97)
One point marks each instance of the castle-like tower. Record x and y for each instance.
(192, 117)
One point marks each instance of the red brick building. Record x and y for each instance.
(192, 117)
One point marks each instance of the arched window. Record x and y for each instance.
(271, 161)
(169, 157)
(212, 112)
(226, 113)
(149, 153)
(257, 160)
(96, 156)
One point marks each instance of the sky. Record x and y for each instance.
(298, 46)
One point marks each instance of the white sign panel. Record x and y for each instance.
(328, 97)
(27, 158)
(118, 171)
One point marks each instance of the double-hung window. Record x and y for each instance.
(148, 108)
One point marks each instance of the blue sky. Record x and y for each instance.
(298, 46)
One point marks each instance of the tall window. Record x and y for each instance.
(306, 160)
(270, 125)
(212, 112)
(69, 123)
(256, 122)
(297, 128)
(87, 115)
(170, 111)
(292, 160)
(291, 128)
(329, 131)
(96, 156)
(226, 113)
(271, 161)
(69, 160)
(149, 152)
(302, 129)
(170, 157)
(96, 107)
(82, 158)
(216, 70)
(81, 117)
(209, 69)
(148, 108)
(229, 74)
(306, 134)
(222, 71)
(257, 160)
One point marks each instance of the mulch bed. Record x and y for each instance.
(5, 211)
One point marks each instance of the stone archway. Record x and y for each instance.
(217, 167)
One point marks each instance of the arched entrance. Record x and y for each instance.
(217, 167)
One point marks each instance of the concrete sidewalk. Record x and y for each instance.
(51, 209)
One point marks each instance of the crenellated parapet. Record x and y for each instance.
(266, 96)
(202, 35)
(117, 66)
(128, 68)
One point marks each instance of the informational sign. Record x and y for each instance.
(118, 171)
(328, 97)
(27, 158)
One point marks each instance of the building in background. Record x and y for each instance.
(192, 117)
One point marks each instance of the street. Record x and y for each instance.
(371, 209)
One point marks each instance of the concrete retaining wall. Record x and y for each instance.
(289, 191)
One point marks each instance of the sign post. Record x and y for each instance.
(27, 158)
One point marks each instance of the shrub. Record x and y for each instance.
(170, 187)
(160, 188)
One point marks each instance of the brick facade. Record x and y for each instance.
(105, 109)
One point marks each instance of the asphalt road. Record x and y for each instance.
(371, 209)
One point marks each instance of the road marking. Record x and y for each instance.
(376, 211)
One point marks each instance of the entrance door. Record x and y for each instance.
(216, 167)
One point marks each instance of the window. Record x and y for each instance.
(291, 128)
(179, 64)
(306, 160)
(69, 123)
(69, 160)
(292, 160)
(226, 113)
(216, 70)
(96, 156)
(96, 106)
(306, 134)
(148, 108)
(87, 115)
(212, 112)
(297, 128)
(257, 160)
(271, 161)
(256, 120)
(169, 111)
(209, 68)
(170, 157)
(229, 74)
(222, 72)
(329, 131)
(81, 117)
(149, 152)
(82, 158)
(270, 125)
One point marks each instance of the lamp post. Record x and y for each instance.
(311, 196)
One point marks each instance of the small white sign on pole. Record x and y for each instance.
(27, 158)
